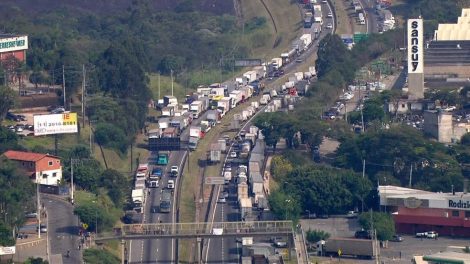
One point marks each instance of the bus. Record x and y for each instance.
(362, 20)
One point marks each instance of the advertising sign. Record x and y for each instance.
(13, 44)
(7, 250)
(55, 124)
(415, 46)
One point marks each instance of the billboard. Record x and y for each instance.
(13, 44)
(415, 46)
(55, 124)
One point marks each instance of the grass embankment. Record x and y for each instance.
(344, 18)
(286, 17)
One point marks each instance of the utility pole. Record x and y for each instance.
(83, 93)
(158, 87)
(363, 168)
(63, 85)
(411, 174)
(38, 203)
(362, 121)
(171, 73)
(71, 179)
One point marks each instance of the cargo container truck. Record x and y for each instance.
(196, 108)
(169, 100)
(224, 105)
(138, 199)
(276, 63)
(165, 203)
(237, 97)
(360, 248)
(249, 76)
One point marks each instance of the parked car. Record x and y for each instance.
(364, 234)
(233, 154)
(351, 214)
(429, 234)
(329, 26)
(397, 238)
(330, 14)
(222, 200)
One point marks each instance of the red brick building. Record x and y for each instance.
(47, 167)
(420, 211)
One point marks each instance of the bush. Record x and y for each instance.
(313, 236)
(99, 256)
(92, 214)
(111, 136)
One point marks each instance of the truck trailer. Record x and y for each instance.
(359, 248)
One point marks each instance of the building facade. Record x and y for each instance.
(13, 46)
(42, 168)
(421, 211)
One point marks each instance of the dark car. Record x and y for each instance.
(397, 238)
(157, 172)
(13, 117)
(363, 234)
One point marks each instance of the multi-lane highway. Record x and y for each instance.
(372, 22)
(228, 250)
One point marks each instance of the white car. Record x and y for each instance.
(233, 154)
(171, 184)
(174, 171)
(429, 234)
(329, 26)
(330, 14)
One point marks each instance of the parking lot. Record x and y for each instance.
(410, 246)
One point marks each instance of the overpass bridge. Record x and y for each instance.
(198, 230)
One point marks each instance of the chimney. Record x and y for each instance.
(465, 186)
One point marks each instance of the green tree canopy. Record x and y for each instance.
(381, 222)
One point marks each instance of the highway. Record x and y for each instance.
(227, 250)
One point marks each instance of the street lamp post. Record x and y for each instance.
(288, 201)
(96, 217)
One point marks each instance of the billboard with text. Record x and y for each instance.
(55, 124)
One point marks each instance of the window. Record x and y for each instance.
(58, 161)
(455, 213)
(467, 214)
(54, 174)
(50, 163)
(44, 176)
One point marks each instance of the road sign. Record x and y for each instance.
(85, 226)
(339, 252)
(214, 180)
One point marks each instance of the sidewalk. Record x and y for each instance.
(299, 244)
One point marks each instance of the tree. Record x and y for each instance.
(6, 237)
(7, 100)
(465, 140)
(8, 140)
(313, 236)
(92, 255)
(280, 167)
(381, 222)
(284, 206)
(33, 260)
(111, 136)
(86, 175)
(373, 110)
(116, 184)
(17, 193)
(96, 216)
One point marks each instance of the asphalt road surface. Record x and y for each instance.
(62, 229)
(371, 16)
(227, 250)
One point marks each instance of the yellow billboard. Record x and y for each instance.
(55, 124)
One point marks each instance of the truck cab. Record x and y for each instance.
(163, 158)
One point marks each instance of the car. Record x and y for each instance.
(12, 117)
(171, 184)
(19, 129)
(299, 60)
(397, 238)
(324, 1)
(429, 234)
(363, 234)
(31, 215)
(174, 171)
(157, 172)
(279, 242)
(222, 200)
(329, 26)
(224, 195)
(323, 216)
(330, 14)
(58, 110)
(43, 228)
(351, 214)
(233, 154)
